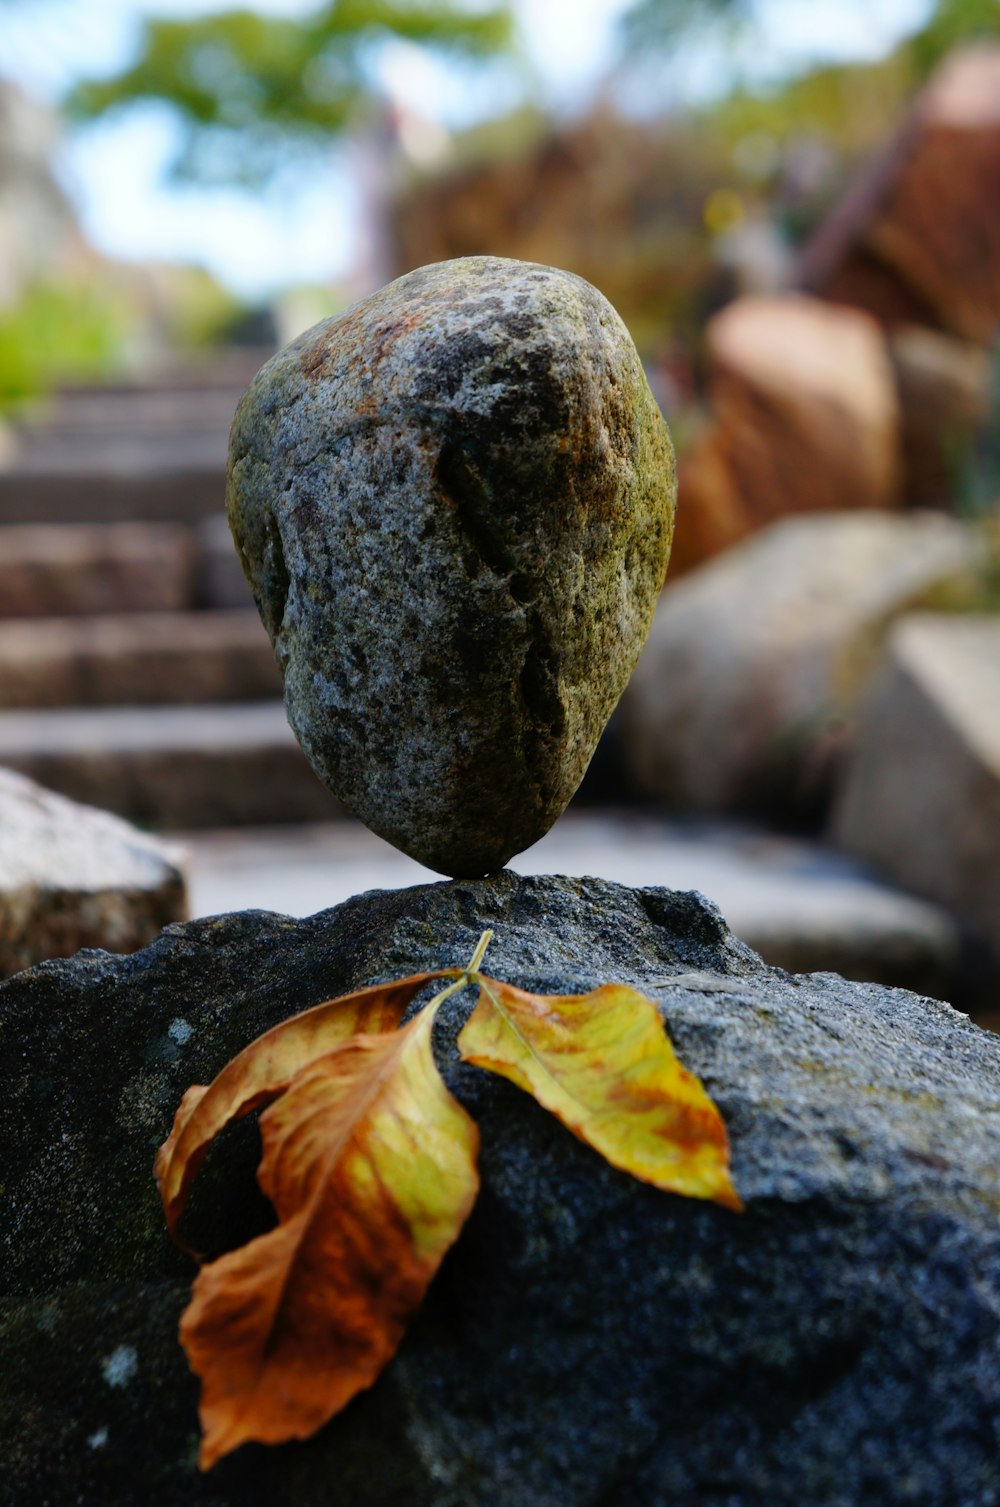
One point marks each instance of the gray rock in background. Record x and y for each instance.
(72, 876)
(921, 798)
(589, 1341)
(745, 695)
(454, 505)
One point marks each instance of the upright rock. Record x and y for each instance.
(454, 505)
(916, 240)
(589, 1340)
(922, 794)
(804, 419)
(745, 696)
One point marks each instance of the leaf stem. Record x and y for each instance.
(466, 975)
(480, 952)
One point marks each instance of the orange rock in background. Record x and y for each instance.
(917, 239)
(805, 419)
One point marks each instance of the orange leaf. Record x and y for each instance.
(603, 1064)
(262, 1071)
(370, 1165)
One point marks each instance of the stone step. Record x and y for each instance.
(147, 451)
(87, 415)
(149, 485)
(171, 766)
(74, 569)
(220, 582)
(136, 659)
(63, 570)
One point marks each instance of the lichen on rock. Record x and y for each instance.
(454, 506)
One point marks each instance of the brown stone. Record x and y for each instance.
(136, 659)
(918, 237)
(922, 796)
(805, 419)
(73, 877)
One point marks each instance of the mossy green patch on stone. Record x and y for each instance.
(454, 506)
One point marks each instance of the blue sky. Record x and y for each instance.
(116, 170)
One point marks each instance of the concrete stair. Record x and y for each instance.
(134, 672)
(145, 452)
(136, 659)
(170, 766)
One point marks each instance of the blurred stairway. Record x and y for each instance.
(134, 671)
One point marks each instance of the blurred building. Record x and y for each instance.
(39, 233)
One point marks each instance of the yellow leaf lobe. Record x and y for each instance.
(603, 1064)
(262, 1071)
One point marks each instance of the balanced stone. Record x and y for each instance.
(454, 506)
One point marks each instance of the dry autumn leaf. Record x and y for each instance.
(603, 1064)
(370, 1165)
(262, 1071)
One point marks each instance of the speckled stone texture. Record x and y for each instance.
(589, 1341)
(454, 506)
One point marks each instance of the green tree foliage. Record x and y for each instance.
(57, 332)
(952, 23)
(249, 86)
(661, 23)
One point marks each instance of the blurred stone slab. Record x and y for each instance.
(136, 659)
(73, 877)
(916, 239)
(802, 906)
(745, 693)
(71, 569)
(171, 766)
(922, 794)
(805, 419)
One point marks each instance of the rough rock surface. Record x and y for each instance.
(804, 419)
(746, 694)
(589, 1341)
(454, 505)
(921, 798)
(72, 876)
